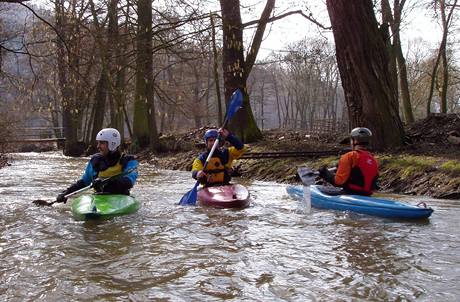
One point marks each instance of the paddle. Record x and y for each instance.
(40, 202)
(308, 176)
(235, 103)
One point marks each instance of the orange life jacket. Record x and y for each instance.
(364, 175)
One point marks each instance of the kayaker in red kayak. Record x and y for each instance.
(218, 170)
(107, 163)
(357, 171)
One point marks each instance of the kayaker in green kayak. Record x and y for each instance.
(357, 171)
(219, 168)
(107, 163)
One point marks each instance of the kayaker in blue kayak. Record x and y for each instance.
(109, 162)
(357, 171)
(219, 168)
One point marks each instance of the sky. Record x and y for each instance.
(295, 27)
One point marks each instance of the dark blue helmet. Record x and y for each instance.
(210, 133)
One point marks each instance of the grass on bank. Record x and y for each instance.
(404, 165)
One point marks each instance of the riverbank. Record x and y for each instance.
(3, 160)
(428, 164)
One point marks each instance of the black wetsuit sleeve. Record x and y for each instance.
(75, 187)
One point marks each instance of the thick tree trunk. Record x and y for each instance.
(235, 75)
(216, 71)
(144, 126)
(364, 69)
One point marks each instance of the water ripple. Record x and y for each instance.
(273, 250)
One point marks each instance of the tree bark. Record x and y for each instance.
(144, 126)
(394, 19)
(100, 98)
(442, 56)
(364, 69)
(236, 70)
(68, 119)
(216, 70)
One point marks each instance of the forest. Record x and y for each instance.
(274, 207)
(150, 68)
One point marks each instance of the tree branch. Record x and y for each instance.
(44, 21)
(272, 19)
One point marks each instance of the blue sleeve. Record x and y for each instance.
(235, 141)
(88, 175)
(132, 176)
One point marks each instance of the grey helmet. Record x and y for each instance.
(361, 135)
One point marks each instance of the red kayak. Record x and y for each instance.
(228, 196)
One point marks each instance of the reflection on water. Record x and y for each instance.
(271, 251)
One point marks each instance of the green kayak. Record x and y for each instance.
(102, 206)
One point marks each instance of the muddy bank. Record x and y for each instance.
(435, 177)
(3, 161)
(421, 167)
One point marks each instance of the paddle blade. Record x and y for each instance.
(236, 101)
(307, 175)
(189, 199)
(40, 202)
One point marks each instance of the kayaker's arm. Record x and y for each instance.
(84, 181)
(131, 166)
(237, 149)
(235, 141)
(197, 170)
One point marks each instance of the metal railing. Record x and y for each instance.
(35, 134)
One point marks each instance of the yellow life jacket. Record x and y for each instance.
(215, 170)
(111, 171)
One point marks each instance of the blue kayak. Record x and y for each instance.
(361, 204)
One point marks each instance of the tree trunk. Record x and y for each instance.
(442, 56)
(100, 98)
(68, 120)
(116, 66)
(395, 23)
(144, 126)
(235, 69)
(445, 21)
(364, 69)
(216, 71)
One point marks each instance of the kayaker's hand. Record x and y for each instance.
(201, 176)
(98, 185)
(224, 133)
(327, 175)
(323, 172)
(61, 198)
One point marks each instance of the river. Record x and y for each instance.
(272, 251)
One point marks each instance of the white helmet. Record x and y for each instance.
(111, 136)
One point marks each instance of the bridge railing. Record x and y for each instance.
(35, 134)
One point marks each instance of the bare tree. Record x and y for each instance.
(446, 11)
(394, 21)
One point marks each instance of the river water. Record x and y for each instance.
(272, 251)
